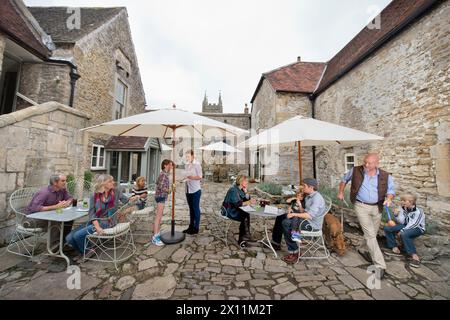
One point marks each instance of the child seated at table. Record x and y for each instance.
(141, 191)
(296, 205)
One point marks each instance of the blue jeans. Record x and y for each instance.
(140, 205)
(193, 200)
(78, 236)
(288, 226)
(407, 235)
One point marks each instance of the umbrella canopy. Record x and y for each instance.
(165, 147)
(161, 124)
(167, 123)
(220, 146)
(310, 132)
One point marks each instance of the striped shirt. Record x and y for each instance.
(139, 192)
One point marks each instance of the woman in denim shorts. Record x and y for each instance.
(162, 192)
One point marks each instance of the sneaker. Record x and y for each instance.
(243, 244)
(414, 263)
(295, 236)
(291, 258)
(381, 273)
(156, 240)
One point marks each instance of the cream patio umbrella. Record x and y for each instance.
(165, 147)
(221, 147)
(171, 123)
(309, 132)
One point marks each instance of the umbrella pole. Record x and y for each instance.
(299, 143)
(173, 237)
(173, 181)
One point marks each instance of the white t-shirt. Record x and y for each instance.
(193, 169)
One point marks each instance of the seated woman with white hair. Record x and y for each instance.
(103, 204)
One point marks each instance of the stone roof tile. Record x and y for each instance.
(54, 21)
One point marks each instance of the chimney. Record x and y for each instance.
(299, 59)
(246, 109)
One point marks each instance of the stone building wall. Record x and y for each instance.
(263, 117)
(269, 109)
(37, 142)
(2, 50)
(402, 93)
(288, 106)
(96, 56)
(43, 82)
(237, 162)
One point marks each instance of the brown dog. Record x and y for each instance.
(333, 234)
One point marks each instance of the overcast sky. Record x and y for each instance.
(185, 48)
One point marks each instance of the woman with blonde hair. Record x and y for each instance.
(102, 205)
(237, 197)
(141, 191)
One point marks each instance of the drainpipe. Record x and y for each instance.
(312, 98)
(74, 76)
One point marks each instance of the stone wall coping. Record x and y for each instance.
(47, 107)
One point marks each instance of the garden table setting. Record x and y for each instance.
(61, 216)
(265, 212)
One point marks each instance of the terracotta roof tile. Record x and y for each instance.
(299, 77)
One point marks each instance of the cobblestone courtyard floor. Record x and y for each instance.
(204, 268)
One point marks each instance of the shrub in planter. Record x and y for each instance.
(88, 176)
(70, 186)
(271, 188)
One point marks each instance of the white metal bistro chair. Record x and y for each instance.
(209, 175)
(26, 234)
(220, 225)
(312, 245)
(144, 214)
(232, 176)
(115, 245)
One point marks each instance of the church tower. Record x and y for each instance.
(212, 107)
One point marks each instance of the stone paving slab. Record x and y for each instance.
(8, 260)
(48, 286)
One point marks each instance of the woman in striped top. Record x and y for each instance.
(141, 191)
